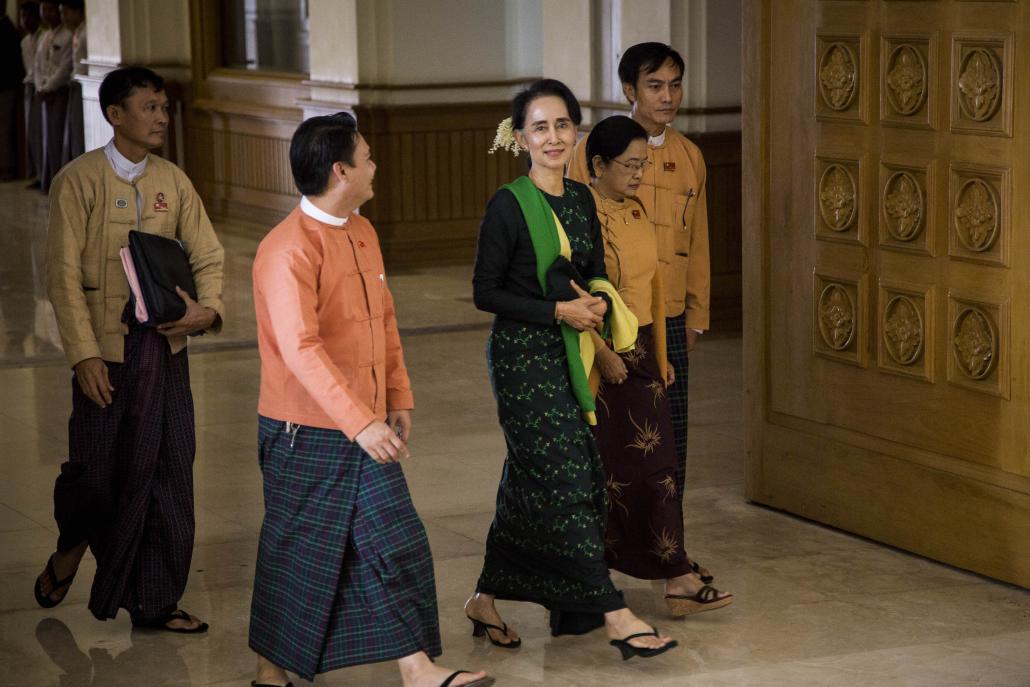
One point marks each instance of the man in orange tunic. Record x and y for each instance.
(344, 574)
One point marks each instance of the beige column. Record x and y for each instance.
(568, 45)
(152, 33)
(337, 29)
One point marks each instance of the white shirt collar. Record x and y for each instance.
(309, 209)
(123, 166)
(655, 141)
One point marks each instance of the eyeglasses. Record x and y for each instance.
(634, 166)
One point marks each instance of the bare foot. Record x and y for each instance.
(622, 623)
(270, 674)
(65, 565)
(418, 671)
(688, 585)
(481, 607)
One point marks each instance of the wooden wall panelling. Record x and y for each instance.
(438, 177)
(240, 162)
(928, 448)
(722, 151)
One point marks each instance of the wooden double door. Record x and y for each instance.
(887, 271)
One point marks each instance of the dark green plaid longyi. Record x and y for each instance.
(344, 572)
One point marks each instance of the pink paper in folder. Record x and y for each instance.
(130, 273)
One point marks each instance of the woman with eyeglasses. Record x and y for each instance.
(634, 424)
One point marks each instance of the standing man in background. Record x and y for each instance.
(53, 72)
(35, 29)
(74, 134)
(673, 195)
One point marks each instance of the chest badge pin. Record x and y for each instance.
(121, 203)
(669, 166)
(159, 204)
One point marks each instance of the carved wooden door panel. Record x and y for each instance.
(888, 256)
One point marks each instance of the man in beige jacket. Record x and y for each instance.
(127, 488)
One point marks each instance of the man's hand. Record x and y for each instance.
(400, 423)
(382, 443)
(670, 374)
(196, 319)
(692, 337)
(91, 374)
(613, 369)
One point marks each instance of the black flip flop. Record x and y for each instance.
(162, 623)
(629, 651)
(44, 600)
(481, 682)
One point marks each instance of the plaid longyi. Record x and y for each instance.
(344, 574)
(676, 349)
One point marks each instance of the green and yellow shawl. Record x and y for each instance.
(549, 241)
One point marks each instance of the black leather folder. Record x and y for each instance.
(161, 265)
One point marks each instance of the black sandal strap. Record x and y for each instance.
(488, 626)
(449, 680)
(51, 574)
(707, 594)
(177, 614)
(652, 633)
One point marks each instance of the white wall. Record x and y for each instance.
(413, 43)
(441, 41)
(722, 59)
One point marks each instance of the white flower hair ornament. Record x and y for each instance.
(505, 138)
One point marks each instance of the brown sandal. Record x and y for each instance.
(705, 599)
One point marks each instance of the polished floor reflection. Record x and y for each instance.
(814, 606)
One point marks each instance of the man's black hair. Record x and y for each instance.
(610, 137)
(646, 58)
(539, 89)
(318, 144)
(120, 84)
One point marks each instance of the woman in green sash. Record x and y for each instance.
(541, 236)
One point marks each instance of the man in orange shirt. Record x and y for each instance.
(673, 195)
(344, 574)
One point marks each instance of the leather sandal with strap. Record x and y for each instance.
(705, 599)
(162, 623)
(44, 600)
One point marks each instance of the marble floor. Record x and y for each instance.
(814, 606)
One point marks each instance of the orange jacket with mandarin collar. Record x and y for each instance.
(327, 331)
